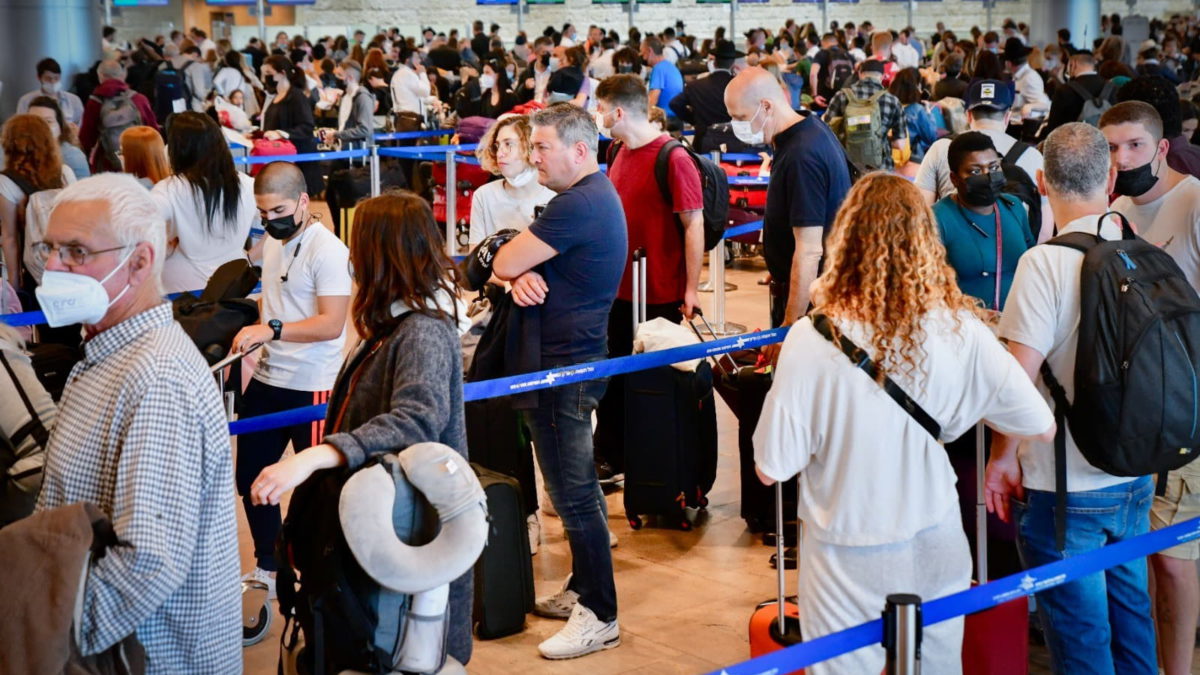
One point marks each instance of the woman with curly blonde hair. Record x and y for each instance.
(877, 494)
(32, 162)
(507, 203)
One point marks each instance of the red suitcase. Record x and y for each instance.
(995, 641)
(740, 216)
(765, 635)
(267, 148)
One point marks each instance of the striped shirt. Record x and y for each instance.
(141, 434)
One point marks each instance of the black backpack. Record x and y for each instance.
(713, 182)
(1137, 394)
(1018, 184)
(841, 69)
(170, 85)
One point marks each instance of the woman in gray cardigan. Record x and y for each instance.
(403, 384)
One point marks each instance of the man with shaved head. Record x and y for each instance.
(809, 180)
(305, 294)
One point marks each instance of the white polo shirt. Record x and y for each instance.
(316, 264)
(1173, 222)
(1042, 312)
(869, 473)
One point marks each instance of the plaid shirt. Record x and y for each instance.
(141, 433)
(890, 111)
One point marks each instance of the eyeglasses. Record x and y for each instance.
(70, 254)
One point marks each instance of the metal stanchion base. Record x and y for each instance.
(707, 286)
(728, 328)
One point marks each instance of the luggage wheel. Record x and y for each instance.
(685, 524)
(635, 522)
(257, 613)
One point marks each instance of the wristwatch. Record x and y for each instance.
(277, 326)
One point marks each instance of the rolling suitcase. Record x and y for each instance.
(765, 633)
(504, 573)
(996, 640)
(670, 433)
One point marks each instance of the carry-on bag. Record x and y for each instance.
(996, 640)
(670, 433)
(504, 573)
(766, 634)
(264, 147)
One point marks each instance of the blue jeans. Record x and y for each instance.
(1101, 623)
(561, 427)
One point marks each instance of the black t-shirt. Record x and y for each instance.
(445, 58)
(1067, 104)
(950, 86)
(829, 59)
(480, 44)
(809, 181)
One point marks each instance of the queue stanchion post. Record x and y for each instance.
(451, 203)
(719, 251)
(716, 274)
(375, 187)
(902, 622)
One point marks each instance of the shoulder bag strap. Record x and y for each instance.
(863, 362)
(35, 427)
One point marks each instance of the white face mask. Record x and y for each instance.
(522, 179)
(553, 63)
(599, 119)
(744, 129)
(512, 73)
(486, 81)
(68, 298)
(51, 88)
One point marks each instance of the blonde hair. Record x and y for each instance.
(486, 152)
(886, 268)
(143, 153)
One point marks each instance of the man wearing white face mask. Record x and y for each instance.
(141, 433)
(49, 75)
(809, 180)
(509, 203)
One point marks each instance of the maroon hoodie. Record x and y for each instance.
(89, 130)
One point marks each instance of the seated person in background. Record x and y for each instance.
(140, 433)
(887, 287)
(968, 220)
(508, 203)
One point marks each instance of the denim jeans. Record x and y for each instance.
(1102, 623)
(561, 427)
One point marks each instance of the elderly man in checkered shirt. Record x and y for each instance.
(141, 434)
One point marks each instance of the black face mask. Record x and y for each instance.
(982, 190)
(1136, 182)
(282, 227)
(625, 68)
(270, 85)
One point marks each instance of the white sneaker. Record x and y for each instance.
(535, 533)
(264, 577)
(583, 635)
(558, 606)
(612, 539)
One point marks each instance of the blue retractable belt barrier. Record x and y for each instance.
(303, 157)
(409, 135)
(749, 180)
(973, 600)
(426, 151)
(38, 318)
(745, 228)
(473, 391)
(740, 157)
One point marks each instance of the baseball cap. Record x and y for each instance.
(989, 93)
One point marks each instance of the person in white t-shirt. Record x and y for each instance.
(305, 294)
(1101, 623)
(1164, 205)
(989, 104)
(508, 203)
(877, 493)
(207, 203)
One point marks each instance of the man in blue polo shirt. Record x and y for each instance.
(666, 82)
(570, 262)
(809, 180)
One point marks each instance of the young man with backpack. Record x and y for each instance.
(868, 120)
(831, 70)
(666, 220)
(111, 109)
(1101, 623)
(1165, 206)
(988, 111)
(1084, 97)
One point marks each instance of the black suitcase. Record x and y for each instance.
(758, 500)
(499, 442)
(670, 434)
(504, 573)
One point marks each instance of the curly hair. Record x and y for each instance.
(886, 268)
(31, 151)
(486, 152)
